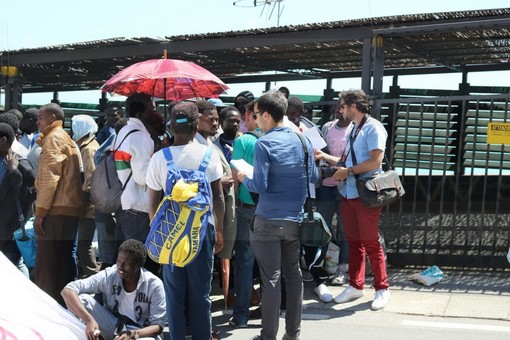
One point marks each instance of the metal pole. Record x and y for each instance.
(366, 65)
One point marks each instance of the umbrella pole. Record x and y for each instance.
(164, 97)
(165, 56)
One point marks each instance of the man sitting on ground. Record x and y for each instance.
(134, 298)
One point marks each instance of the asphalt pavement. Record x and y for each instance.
(469, 294)
(473, 296)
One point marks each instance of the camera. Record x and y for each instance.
(327, 171)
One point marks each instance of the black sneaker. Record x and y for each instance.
(256, 314)
(232, 322)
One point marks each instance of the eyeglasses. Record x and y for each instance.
(257, 113)
(342, 106)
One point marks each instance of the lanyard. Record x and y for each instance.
(352, 138)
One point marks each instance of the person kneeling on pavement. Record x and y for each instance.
(134, 299)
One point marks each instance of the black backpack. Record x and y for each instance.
(105, 186)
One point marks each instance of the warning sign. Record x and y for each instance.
(498, 133)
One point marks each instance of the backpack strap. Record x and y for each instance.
(118, 147)
(205, 160)
(170, 168)
(123, 139)
(170, 165)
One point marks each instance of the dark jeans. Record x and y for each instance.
(192, 282)
(86, 255)
(244, 261)
(55, 265)
(105, 225)
(133, 224)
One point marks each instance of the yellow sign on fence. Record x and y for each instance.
(498, 133)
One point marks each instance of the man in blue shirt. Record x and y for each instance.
(367, 143)
(279, 177)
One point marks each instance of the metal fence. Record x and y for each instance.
(456, 211)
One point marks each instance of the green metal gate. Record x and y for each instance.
(456, 211)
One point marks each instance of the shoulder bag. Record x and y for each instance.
(314, 231)
(379, 190)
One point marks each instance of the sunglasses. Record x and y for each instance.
(342, 106)
(256, 113)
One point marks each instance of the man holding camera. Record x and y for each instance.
(367, 143)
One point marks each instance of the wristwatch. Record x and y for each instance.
(350, 172)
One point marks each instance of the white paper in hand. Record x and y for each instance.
(242, 166)
(315, 138)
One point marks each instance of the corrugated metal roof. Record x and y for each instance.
(420, 43)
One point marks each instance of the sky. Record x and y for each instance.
(33, 23)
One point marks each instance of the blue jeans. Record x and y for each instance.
(105, 226)
(244, 261)
(132, 224)
(11, 251)
(191, 283)
(328, 203)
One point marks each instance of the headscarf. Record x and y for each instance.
(83, 125)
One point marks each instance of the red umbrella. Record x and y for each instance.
(166, 78)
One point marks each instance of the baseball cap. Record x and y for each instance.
(32, 113)
(184, 112)
(246, 94)
(216, 101)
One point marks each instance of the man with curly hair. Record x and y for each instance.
(134, 298)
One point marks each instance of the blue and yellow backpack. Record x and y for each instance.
(179, 225)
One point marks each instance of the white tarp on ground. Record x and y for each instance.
(27, 313)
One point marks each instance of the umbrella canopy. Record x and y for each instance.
(166, 78)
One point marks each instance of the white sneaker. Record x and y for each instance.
(339, 279)
(323, 293)
(381, 299)
(349, 293)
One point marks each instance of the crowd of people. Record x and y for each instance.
(45, 176)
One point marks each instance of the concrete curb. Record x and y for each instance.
(479, 295)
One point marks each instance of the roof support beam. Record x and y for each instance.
(13, 92)
(466, 24)
(156, 49)
(378, 61)
(425, 53)
(366, 66)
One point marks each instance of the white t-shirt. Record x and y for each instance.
(187, 156)
(126, 303)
